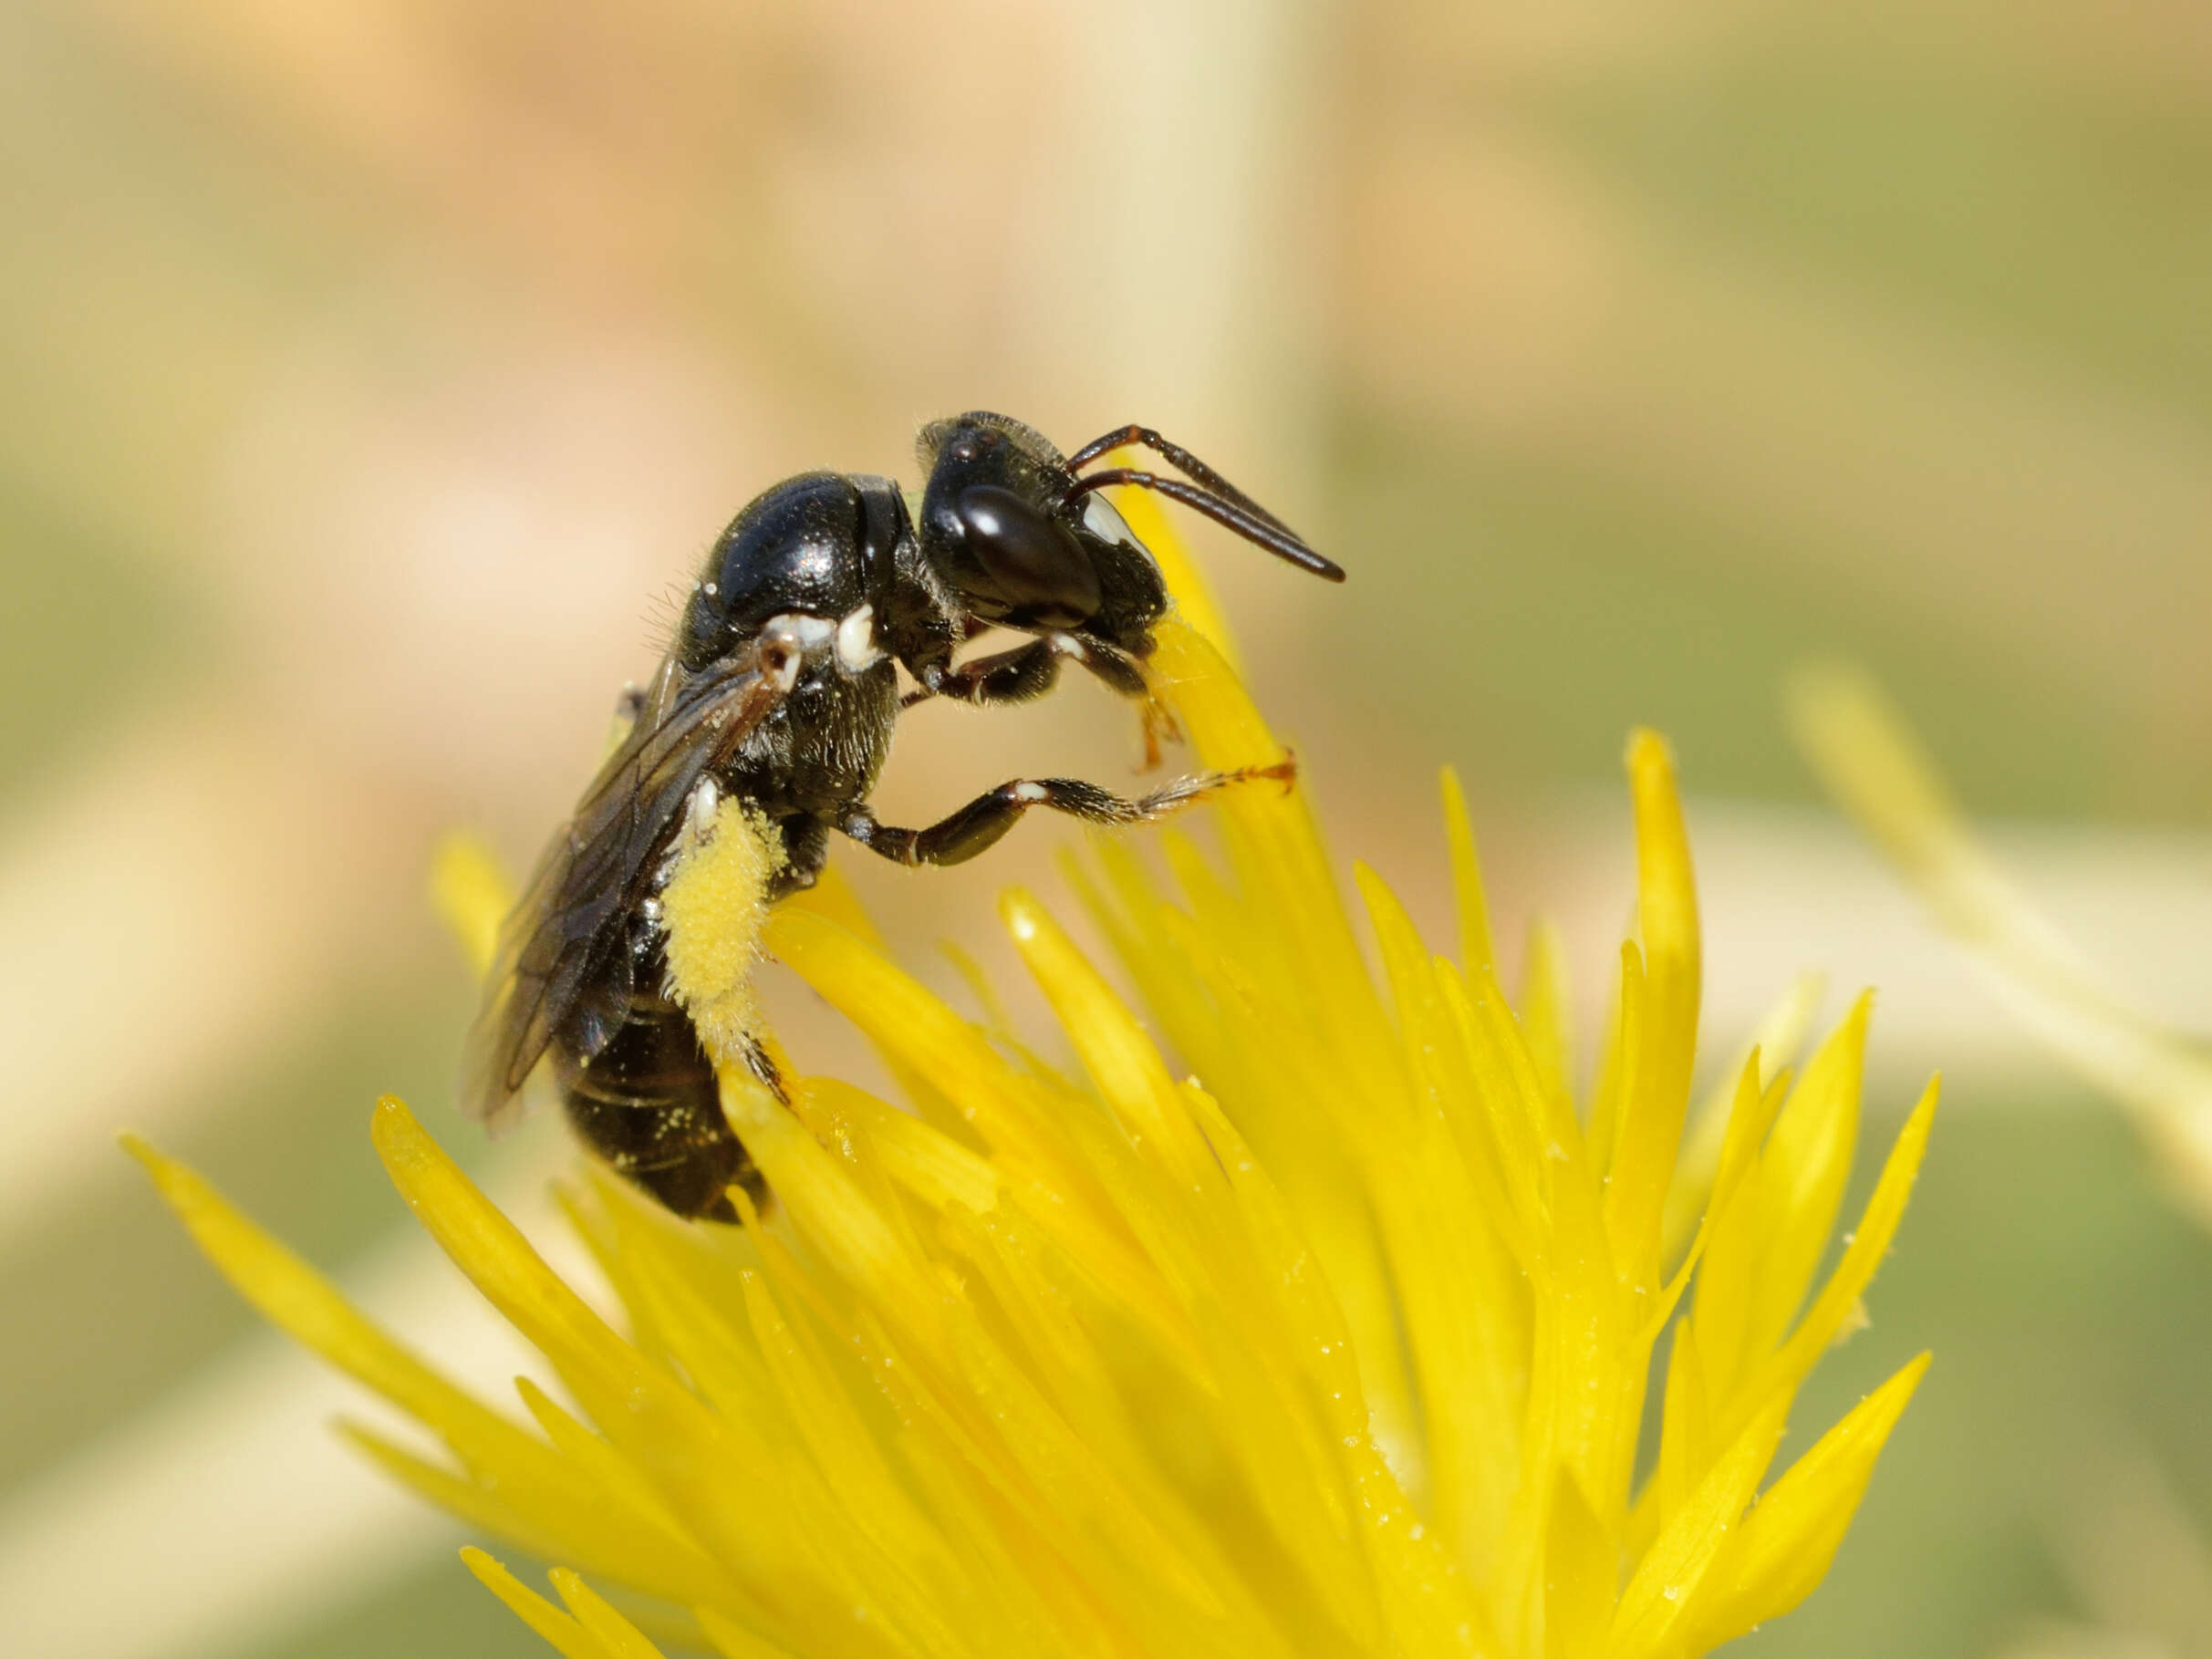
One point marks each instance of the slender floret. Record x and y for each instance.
(1880, 774)
(1287, 1309)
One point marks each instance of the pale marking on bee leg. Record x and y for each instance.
(706, 801)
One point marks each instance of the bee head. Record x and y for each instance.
(1002, 528)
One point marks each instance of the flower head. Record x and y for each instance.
(1336, 1343)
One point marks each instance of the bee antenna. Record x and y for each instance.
(1181, 460)
(1247, 519)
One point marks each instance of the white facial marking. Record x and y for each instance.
(1067, 645)
(1030, 791)
(856, 640)
(1100, 519)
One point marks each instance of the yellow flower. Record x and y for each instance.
(1337, 1345)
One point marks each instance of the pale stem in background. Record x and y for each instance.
(1877, 771)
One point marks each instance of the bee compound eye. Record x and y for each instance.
(1038, 570)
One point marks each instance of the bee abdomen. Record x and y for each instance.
(648, 1104)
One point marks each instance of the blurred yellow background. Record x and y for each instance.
(376, 371)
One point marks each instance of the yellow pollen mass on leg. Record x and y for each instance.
(714, 908)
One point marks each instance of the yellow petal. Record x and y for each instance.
(1764, 1247)
(1121, 1060)
(1195, 606)
(297, 1300)
(1686, 1435)
(1655, 1095)
(732, 1641)
(1669, 1581)
(568, 1637)
(1779, 1036)
(1784, 1549)
(1866, 1245)
(1475, 952)
(617, 1637)
(1546, 1011)
(1582, 1564)
(609, 1375)
(1745, 1128)
(472, 894)
(1807, 1160)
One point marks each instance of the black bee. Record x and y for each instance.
(779, 693)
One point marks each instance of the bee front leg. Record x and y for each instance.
(1005, 676)
(1160, 728)
(1119, 673)
(1031, 670)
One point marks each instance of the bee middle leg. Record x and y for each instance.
(961, 836)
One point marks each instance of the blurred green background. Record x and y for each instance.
(373, 367)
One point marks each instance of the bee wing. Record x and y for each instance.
(563, 967)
